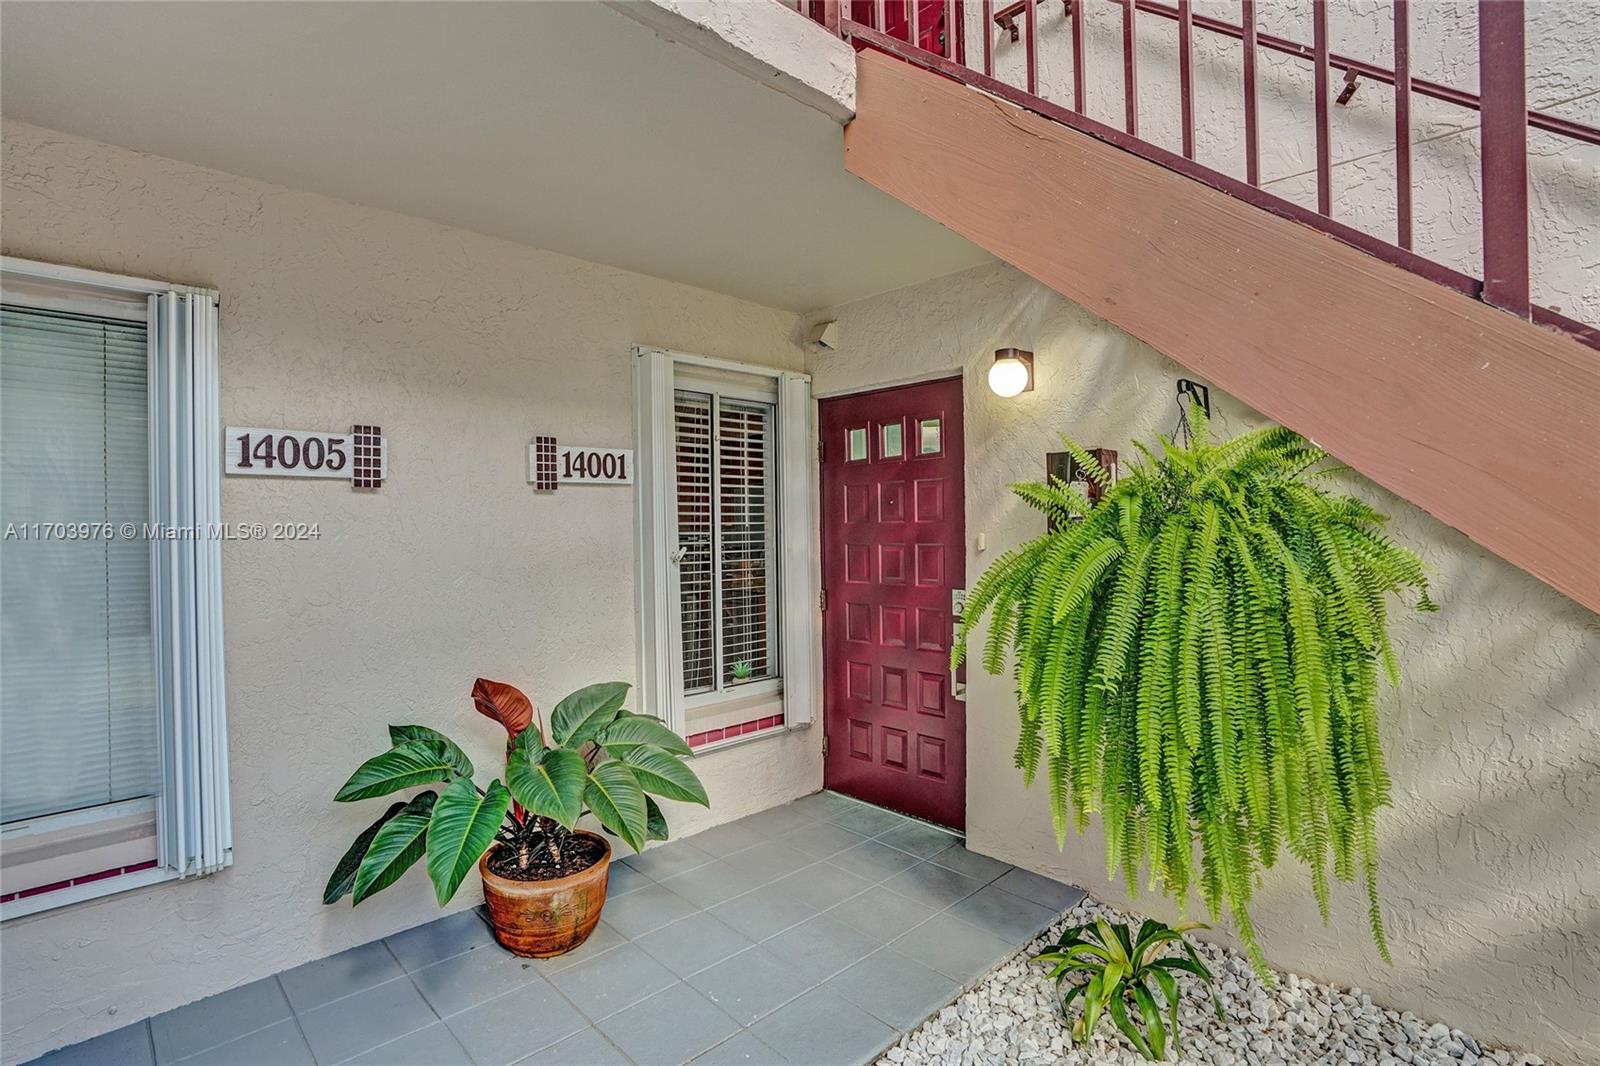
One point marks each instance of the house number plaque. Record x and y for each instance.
(359, 456)
(551, 464)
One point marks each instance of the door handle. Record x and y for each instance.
(958, 687)
(688, 547)
(958, 607)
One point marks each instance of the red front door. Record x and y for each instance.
(893, 549)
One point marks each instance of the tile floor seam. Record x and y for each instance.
(569, 1001)
(394, 1040)
(406, 976)
(240, 1035)
(542, 1047)
(478, 1003)
(805, 992)
(294, 1015)
(596, 1030)
(594, 1021)
(341, 998)
(974, 925)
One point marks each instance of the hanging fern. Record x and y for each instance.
(1196, 658)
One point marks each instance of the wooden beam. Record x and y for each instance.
(1486, 421)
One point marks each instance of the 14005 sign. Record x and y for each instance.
(357, 456)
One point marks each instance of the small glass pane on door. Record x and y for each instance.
(893, 442)
(929, 436)
(858, 444)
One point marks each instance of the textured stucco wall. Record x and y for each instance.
(1491, 854)
(461, 347)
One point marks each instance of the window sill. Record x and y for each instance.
(84, 890)
(758, 735)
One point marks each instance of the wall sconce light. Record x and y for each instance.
(1012, 373)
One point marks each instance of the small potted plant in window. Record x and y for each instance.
(544, 879)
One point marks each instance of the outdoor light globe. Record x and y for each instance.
(1008, 377)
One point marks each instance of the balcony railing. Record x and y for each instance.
(933, 34)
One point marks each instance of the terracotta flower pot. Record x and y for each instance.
(538, 919)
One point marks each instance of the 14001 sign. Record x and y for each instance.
(551, 464)
(594, 464)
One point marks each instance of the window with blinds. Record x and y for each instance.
(78, 691)
(726, 539)
(114, 766)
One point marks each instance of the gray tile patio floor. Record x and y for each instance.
(812, 933)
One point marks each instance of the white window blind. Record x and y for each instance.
(78, 699)
(746, 539)
(693, 482)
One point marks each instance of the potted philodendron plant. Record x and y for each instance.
(544, 879)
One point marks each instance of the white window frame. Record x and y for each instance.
(194, 833)
(799, 633)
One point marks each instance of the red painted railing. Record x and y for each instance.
(931, 34)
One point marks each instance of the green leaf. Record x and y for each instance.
(1119, 1014)
(550, 783)
(634, 729)
(343, 877)
(655, 823)
(416, 762)
(528, 744)
(1155, 1033)
(1094, 998)
(614, 795)
(397, 845)
(399, 734)
(463, 826)
(1169, 991)
(581, 716)
(1073, 993)
(666, 775)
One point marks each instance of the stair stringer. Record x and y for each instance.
(1484, 420)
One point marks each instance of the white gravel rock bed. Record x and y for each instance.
(1013, 1016)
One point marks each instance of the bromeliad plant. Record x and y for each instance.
(1125, 975)
(597, 758)
(1197, 658)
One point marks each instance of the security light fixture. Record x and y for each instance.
(1012, 373)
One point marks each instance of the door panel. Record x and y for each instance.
(897, 22)
(893, 549)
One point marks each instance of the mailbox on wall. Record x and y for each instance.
(1062, 466)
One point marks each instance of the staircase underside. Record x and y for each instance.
(1484, 420)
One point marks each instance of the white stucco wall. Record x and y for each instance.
(1491, 854)
(461, 347)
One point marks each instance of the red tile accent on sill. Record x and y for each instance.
(739, 729)
(115, 871)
